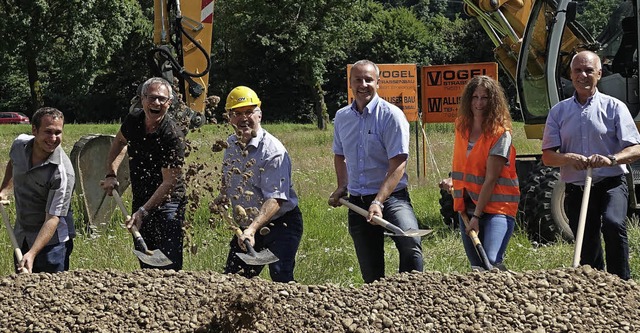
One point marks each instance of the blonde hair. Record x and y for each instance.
(497, 114)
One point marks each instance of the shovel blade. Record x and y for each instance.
(263, 257)
(156, 258)
(410, 233)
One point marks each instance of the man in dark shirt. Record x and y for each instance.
(156, 148)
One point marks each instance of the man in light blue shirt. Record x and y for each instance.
(371, 148)
(256, 179)
(594, 130)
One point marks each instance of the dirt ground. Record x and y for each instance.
(563, 300)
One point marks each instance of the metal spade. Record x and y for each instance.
(154, 258)
(252, 257)
(395, 231)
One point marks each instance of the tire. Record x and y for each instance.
(446, 210)
(541, 209)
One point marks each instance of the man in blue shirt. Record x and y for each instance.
(256, 179)
(594, 130)
(42, 178)
(371, 148)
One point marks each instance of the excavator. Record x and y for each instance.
(182, 36)
(534, 42)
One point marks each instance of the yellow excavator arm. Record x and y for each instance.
(181, 54)
(535, 40)
(182, 37)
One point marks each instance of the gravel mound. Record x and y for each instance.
(563, 300)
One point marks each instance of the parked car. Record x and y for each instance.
(13, 118)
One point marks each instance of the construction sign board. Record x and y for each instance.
(398, 85)
(442, 88)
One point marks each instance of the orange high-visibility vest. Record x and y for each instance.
(468, 175)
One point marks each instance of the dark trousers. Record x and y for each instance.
(606, 214)
(51, 259)
(162, 230)
(283, 241)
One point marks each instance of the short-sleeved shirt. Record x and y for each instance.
(149, 153)
(40, 189)
(260, 171)
(501, 148)
(368, 140)
(603, 125)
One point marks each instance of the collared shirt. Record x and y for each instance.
(368, 141)
(149, 153)
(40, 189)
(260, 171)
(603, 125)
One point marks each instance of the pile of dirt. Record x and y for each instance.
(563, 300)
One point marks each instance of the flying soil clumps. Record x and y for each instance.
(562, 300)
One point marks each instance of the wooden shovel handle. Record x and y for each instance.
(12, 237)
(475, 240)
(582, 219)
(378, 220)
(476, 243)
(137, 237)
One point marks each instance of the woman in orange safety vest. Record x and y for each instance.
(484, 179)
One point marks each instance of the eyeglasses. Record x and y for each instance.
(247, 113)
(161, 99)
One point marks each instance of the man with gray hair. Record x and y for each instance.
(42, 177)
(594, 130)
(156, 148)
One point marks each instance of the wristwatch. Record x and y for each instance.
(144, 212)
(376, 202)
(613, 159)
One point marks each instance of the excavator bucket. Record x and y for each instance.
(89, 158)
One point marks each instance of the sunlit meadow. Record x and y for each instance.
(326, 254)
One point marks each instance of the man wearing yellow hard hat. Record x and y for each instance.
(256, 178)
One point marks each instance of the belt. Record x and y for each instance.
(604, 183)
(369, 198)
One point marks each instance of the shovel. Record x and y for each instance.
(252, 257)
(582, 220)
(12, 237)
(395, 231)
(154, 258)
(476, 242)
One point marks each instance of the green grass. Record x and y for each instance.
(326, 254)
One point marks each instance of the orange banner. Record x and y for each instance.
(442, 88)
(398, 85)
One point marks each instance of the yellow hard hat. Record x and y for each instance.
(241, 96)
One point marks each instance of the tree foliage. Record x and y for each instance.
(282, 49)
(87, 57)
(60, 47)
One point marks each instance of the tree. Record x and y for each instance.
(283, 49)
(61, 46)
(595, 14)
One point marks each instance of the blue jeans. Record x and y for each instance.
(607, 213)
(495, 232)
(51, 259)
(162, 230)
(283, 241)
(368, 239)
